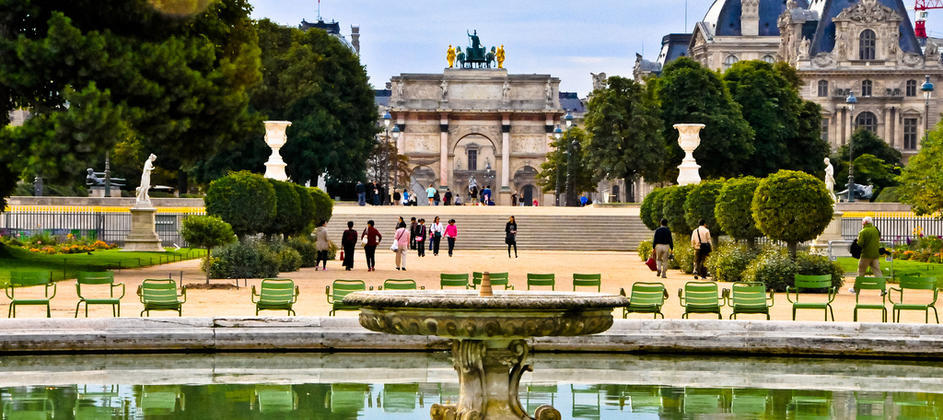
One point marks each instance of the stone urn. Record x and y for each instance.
(689, 139)
(275, 138)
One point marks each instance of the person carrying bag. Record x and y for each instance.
(701, 242)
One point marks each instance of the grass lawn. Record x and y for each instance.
(901, 267)
(65, 266)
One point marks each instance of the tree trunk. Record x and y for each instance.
(182, 187)
(206, 265)
(751, 243)
(793, 246)
(628, 182)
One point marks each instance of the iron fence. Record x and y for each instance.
(111, 226)
(895, 229)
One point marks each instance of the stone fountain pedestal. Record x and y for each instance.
(689, 138)
(275, 138)
(488, 334)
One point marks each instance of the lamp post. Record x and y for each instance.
(570, 187)
(927, 89)
(851, 101)
(557, 134)
(387, 119)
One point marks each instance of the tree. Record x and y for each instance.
(244, 200)
(555, 167)
(792, 207)
(864, 142)
(305, 223)
(313, 80)
(207, 232)
(652, 207)
(287, 209)
(690, 93)
(673, 208)
(922, 179)
(699, 205)
(733, 209)
(874, 171)
(387, 165)
(323, 205)
(807, 149)
(625, 132)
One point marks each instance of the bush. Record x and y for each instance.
(819, 264)
(728, 262)
(288, 259)
(733, 212)
(792, 207)
(287, 210)
(888, 195)
(306, 249)
(244, 260)
(673, 208)
(332, 250)
(323, 205)
(244, 200)
(206, 232)
(777, 270)
(651, 209)
(684, 254)
(305, 224)
(699, 204)
(645, 250)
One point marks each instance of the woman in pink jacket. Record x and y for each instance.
(401, 238)
(451, 232)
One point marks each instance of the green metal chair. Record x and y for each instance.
(161, 400)
(400, 398)
(702, 402)
(275, 399)
(749, 403)
(343, 288)
(914, 283)
(541, 280)
(497, 279)
(700, 297)
(454, 280)
(870, 283)
(399, 284)
(749, 298)
(275, 295)
(161, 295)
(645, 298)
(349, 398)
(100, 279)
(587, 280)
(807, 283)
(23, 279)
(803, 406)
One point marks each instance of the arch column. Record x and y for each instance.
(443, 151)
(504, 195)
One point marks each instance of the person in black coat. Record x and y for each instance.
(349, 243)
(510, 236)
(412, 232)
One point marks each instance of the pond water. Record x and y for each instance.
(405, 385)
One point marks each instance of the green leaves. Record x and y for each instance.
(652, 208)
(922, 179)
(733, 209)
(584, 177)
(245, 200)
(699, 205)
(792, 207)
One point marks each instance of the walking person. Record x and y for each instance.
(435, 234)
(361, 193)
(322, 244)
(370, 248)
(413, 226)
(664, 245)
(405, 197)
(430, 193)
(348, 242)
(422, 233)
(401, 239)
(869, 239)
(701, 242)
(510, 236)
(451, 232)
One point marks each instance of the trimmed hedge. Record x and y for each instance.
(288, 214)
(699, 204)
(244, 200)
(651, 209)
(777, 270)
(733, 209)
(323, 205)
(673, 208)
(305, 224)
(729, 261)
(792, 207)
(244, 260)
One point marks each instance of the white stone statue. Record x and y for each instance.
(506, 91)
(548, 92)
(689, 138)
(400, 98)
(599, 80)
(445, 91)
(142, 196)
(472, 183)
(804, 47)
(322, 182)
(830, 178)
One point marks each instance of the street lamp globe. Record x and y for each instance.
(387, 118)
(557, 133)
(569, 118)
(396, 132)
(927, 88)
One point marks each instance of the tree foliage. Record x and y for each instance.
(922, 179)
(699, 205)
(288, 214)
(733, 209)
(864, 142)
(207, 232)
(625, 132)
(584, 178)
(305, 224)
(244, 200)
(323, 205)
(652, 208)
(673, 208)
(792, 207)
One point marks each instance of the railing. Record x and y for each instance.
(895, 228)
(109, 224)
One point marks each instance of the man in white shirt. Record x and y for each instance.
(701, 242)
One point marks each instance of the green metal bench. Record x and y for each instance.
(343, 288)
(497, 279)
(400, 284)
(541, 280)
(23, 279)
(453, 280)
(100, 279)
(805, 283)
(587, 280)
(275, 295)
(700, 297)
(749, 298)
(161, 295)
(645, 298)
(870, 283)
(914, 283)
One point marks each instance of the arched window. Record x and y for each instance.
(730, 61)
(867, 121)
(823, 88)
(911, 88)
(866, 86)
(866, 45)
(769, 59)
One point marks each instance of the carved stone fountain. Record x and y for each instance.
(488, 333)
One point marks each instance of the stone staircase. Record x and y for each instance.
(535, 232)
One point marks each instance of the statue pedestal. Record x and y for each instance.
(832, 232)
(689, 139)
(504, 197)
(143, 236)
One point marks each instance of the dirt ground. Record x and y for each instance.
(619, 270)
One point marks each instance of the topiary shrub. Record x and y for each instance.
(699, 205)
(673, 208)
(728, 262)
(792, 207)
(287, 210)
(244, 200)
(206, 232)
(733, 209)
(651, 209)
(323, 205)
(288, 259)
(684, 254)
(775, 268)
(306, 248)
(645, 250)
(304, 225)
(244, 260)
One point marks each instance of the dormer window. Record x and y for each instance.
(866, 45)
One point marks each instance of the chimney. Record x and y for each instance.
(355, 38)
(750, 18)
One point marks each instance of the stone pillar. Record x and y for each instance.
(688, 139)
(443, 151)
(832, 232)
(275, 138)
(143, 236)
(401, 141)
(504, 195)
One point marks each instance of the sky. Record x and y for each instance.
(566, 39)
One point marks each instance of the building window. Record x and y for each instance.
(866, 45)
(769, 59)
(730, 61)
(911, 88)
(910, 134)
(867, 121)
(825, 129)
(472, 159)
(823, 88)
(866, 86)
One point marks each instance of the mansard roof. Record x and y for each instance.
(673, 46)
(824, 40)
(723, 17)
